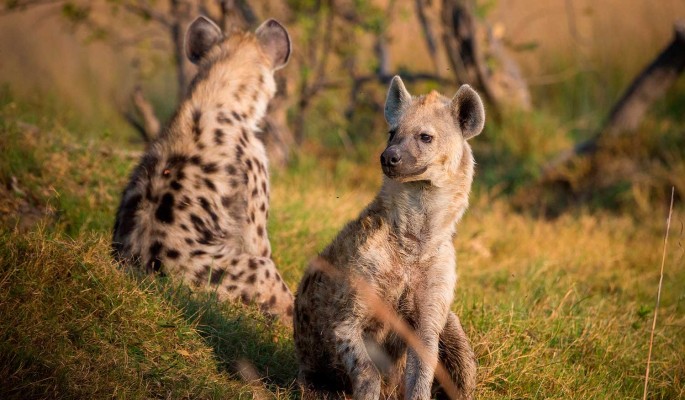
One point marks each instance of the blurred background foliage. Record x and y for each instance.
(550, 73)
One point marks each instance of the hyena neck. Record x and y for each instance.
(233, 93)
(424, 210)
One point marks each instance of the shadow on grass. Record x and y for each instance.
(240, 337)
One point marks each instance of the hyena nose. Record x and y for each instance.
(391, 157)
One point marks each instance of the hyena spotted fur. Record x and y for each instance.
(196, 206)
(400, 249)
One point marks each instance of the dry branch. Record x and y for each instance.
(650, 85)
(151, 125)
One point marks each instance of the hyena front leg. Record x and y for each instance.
(458, 358)
(351, 351)
(432, 304)
(254, 279)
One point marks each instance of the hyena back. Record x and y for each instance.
(196, 206)
(400, 250)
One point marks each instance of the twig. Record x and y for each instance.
(658, 293)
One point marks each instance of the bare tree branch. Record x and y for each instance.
(651, 84)
(151, 124)
(428, 34)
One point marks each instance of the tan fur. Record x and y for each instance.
(401, 247)
(196, 206)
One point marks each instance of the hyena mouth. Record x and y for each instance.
(397, 174)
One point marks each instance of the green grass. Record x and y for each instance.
(554, 308)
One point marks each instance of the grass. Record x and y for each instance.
(555, 309)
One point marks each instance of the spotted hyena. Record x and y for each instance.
(197, 204)
(399, 250)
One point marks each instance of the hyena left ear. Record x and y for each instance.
(468, 111)
(202, 34)
(275, 40)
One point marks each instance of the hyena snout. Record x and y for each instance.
(399, 163)
(391, 157)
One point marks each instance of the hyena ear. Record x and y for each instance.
(202, 34)
(397, 101)
(275, 40)
(468, 111)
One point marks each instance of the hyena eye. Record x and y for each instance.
(426, 138)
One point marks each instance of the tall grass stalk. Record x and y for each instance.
(658, 294)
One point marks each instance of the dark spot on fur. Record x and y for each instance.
(155, 264)
(234, 262)
(196, 253)
(245, 298)
(223, 118)
(239, 152)
(231, 288)
(165, 212)
(225, 201)
(255, 192)
(173, 254)
(252, 264)
(210, 168)
(206, 235)
(264, 189)
(262, 207)
(197, 131)
(201, 275)
(218, 137)
(189, 241)
(265, 253)
(272, 300)
(217, 276)
(260, 231)
(236, 116)
(267, 274)
(251, 279)
(210, 185)
(176, 185)
(248, 162)
(196, 160)
(289, 310)
(283, 287)
(230, 170)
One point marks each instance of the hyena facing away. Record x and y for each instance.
(196, 206)
(399, 250)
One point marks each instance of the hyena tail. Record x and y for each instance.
(458, 358)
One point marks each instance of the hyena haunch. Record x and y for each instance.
(401, 250)
(196, 206)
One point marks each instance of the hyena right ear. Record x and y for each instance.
(275, 40)
(468, 111)
(202, 34)
(397, 101)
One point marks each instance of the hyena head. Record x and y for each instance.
(206, 45)
(428, 133)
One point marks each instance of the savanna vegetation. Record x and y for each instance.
(557, 279)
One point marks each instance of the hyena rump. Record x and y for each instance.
(197, 204)
(400, 250)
